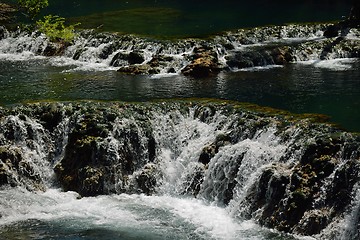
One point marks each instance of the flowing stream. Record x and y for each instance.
(179, 170)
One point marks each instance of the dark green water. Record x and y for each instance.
(175, 18)
(298, 88)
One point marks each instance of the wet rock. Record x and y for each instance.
(204, 64)
(156, 65)
(2, 32)
(108, 50)
(292, 197)
(339, 195)
(147, 179)
(205, 113)
(249, 59)
(51, 116)
(332, 31)
(77, 54)
(281, 55)
(208, 152)
(119, 59)
(136, 57)
(15, 170)
(55, 49)
(137, 69)
(194, 179)
(123, 58)
(313, 222)
(81, 155)
(163, 63)
(92, 181)
(102, 157)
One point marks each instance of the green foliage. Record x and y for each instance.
(33, 7)
(54, 28)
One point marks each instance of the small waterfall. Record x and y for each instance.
(242, 49)
(26, 150)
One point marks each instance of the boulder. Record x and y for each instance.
(194, 179)
(288, 195)
(249, 59)
(55, 49)
(119, 59)
(332, 31)
(209, 151)
(281, 55)
(204, 64)
(136, 57)
(137, 69)
(123, 58)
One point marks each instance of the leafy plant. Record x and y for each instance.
(33, 7)
(54, 28)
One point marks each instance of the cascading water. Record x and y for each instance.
(185, 170)
(173, 170)
(242, 49)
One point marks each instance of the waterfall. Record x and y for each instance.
(26, 149)
(241, 49)
(286, 174)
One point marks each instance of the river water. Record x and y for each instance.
(185, 18)
(330, 87)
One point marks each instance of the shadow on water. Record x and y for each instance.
(163, 18)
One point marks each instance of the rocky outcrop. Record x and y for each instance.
(306, 196)
(93, 150)
(102, 157)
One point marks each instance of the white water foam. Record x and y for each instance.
(159, 217)
(180, 140)
(78, 66)
(340, 64)
(258, 68)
